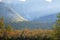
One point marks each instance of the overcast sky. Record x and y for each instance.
(36, 8)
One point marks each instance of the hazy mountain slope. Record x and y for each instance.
(49, 18)
(32, 25)
(45, 22)
(20, 23)
(9, 14)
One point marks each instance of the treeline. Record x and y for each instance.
(7, 33)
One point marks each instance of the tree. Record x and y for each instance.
(57, 28)
(2, 23)
(7, 32)
(9, 28)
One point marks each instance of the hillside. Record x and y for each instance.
(48, 18)
(18, 22)
(9, 13)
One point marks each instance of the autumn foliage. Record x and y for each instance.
(7, 33)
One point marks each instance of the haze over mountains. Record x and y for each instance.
(19, 22)
(31, 9)
(9, 13)
(48, 18)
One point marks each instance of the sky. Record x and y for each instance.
(35, 8)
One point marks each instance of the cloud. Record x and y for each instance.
(6, 1)
(13, 1)
(49, 0)
(0, 0)
(22, 0)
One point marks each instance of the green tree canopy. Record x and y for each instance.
(2, 23)
(57, 28)
(9, 28)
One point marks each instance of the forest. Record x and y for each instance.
(8, 33)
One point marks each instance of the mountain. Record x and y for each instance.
(9, 14)
(48, 18)
(31, 25)
(18, 22)
(45, 22)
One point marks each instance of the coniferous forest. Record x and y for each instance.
(8, 33)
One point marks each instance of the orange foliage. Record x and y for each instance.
(26, 33)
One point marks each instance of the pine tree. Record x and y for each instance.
(7, 32)
(9, 28)
(2, 23)
(57, 28)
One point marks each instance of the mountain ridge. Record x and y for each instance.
(48, 18)
(9, 13)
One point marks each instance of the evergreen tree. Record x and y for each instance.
(9, 28)
(57, 28)
(2, 23)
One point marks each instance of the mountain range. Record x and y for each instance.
(45, 22)
(48, 18)
(19, 22)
